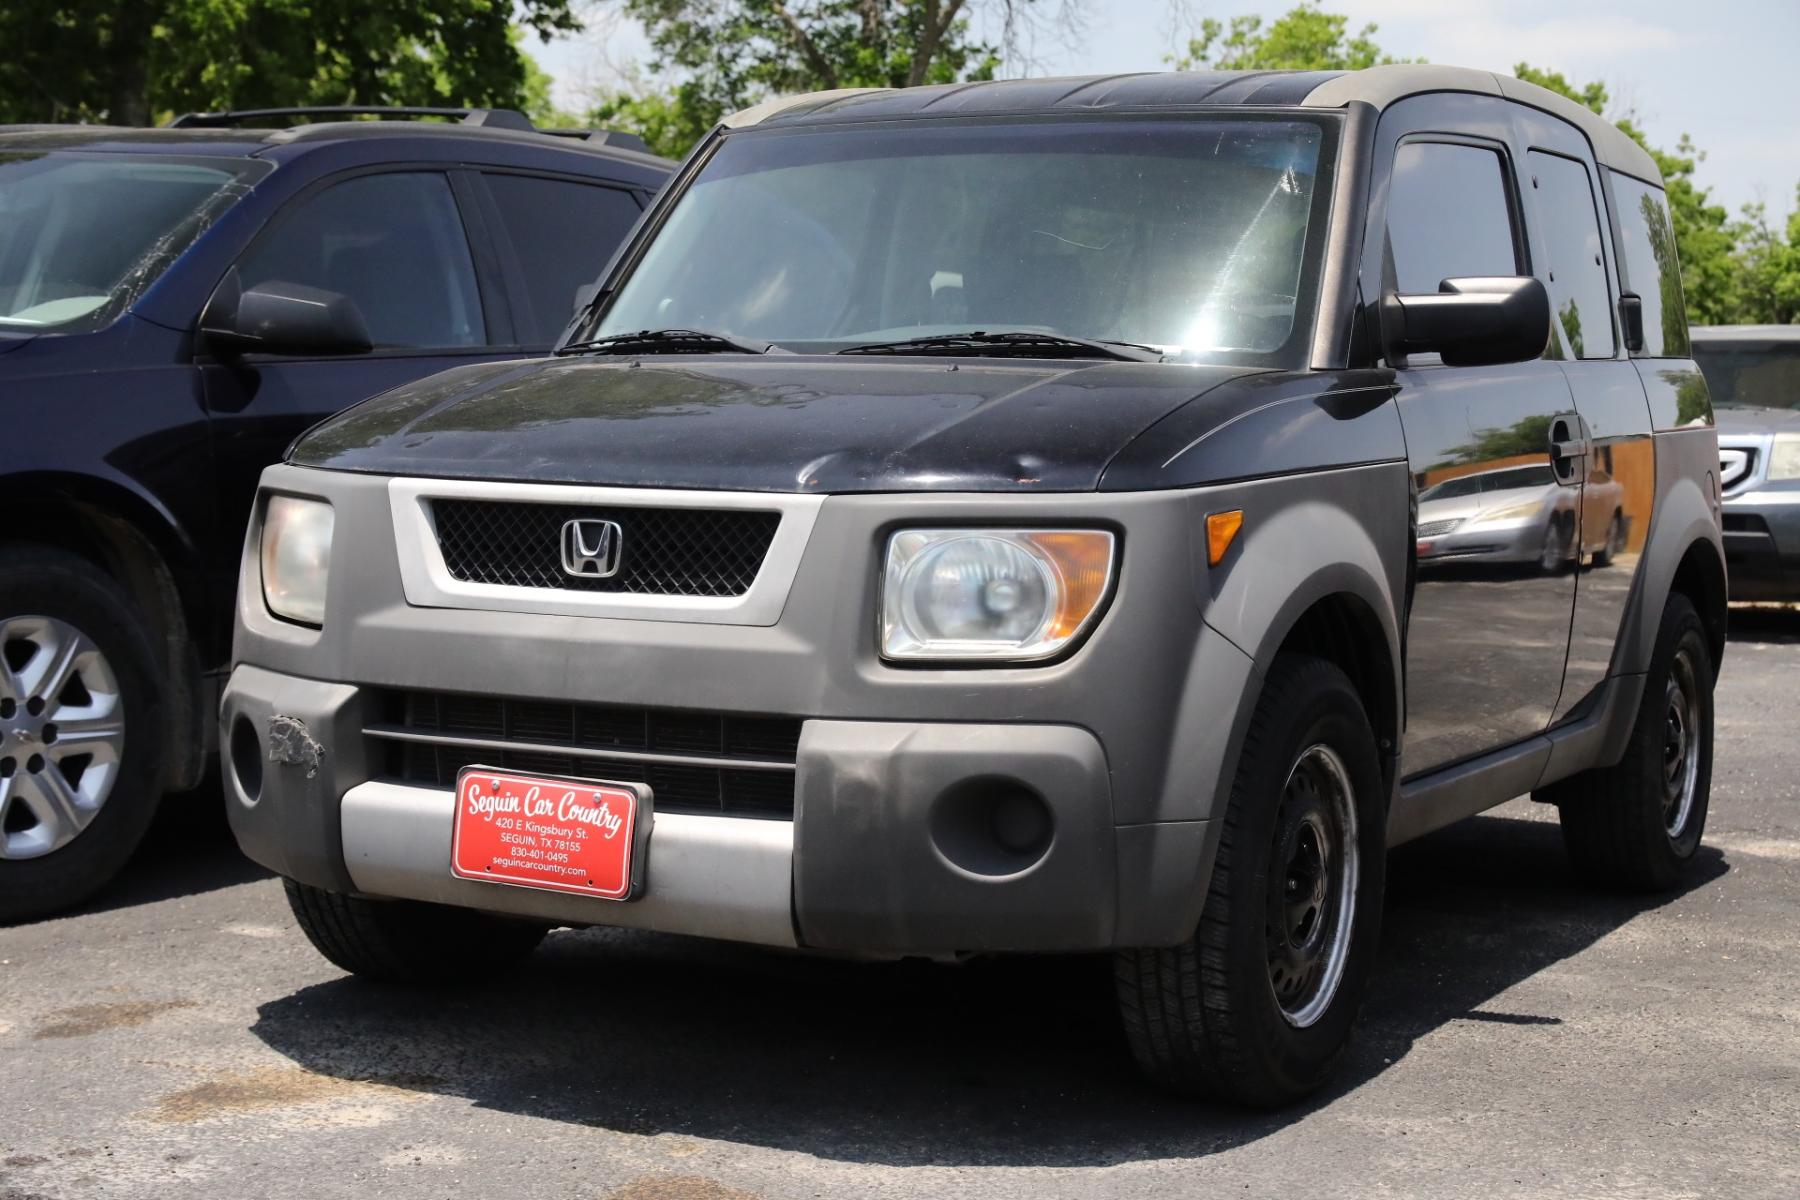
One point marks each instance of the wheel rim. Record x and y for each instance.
(62, 731)
(1312, 885)
(1682, 743)
(1551, 555)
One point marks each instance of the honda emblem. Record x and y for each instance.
(590, 548)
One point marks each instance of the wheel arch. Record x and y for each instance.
(1341, 628)
(136, 542)
(1684, 551)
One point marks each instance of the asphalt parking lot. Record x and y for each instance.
(1526, 1037)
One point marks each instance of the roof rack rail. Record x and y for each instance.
(617, 139)
(491, 118)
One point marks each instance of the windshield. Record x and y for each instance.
(1749, 376)
(82, 235)
(1187, 235)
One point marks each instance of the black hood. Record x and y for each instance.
(780, 423)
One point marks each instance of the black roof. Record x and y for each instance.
(1160, 89)
(1308, 90)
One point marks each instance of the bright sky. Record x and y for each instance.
(1720, 70)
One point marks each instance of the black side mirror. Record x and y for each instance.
(282, 318)
(1470, 322)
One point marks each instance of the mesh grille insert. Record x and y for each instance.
(664, 551)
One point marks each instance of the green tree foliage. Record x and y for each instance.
(713, 57)
(1769, 280)
(1303, 39)
(131, 61)
(1528, 436)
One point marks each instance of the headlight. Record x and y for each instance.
(1784, 457)
(296, 556)
(1513, 512)
(1009, 595)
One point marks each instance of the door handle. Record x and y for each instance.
(1569, 448)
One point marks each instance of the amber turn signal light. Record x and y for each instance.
(1221, 531)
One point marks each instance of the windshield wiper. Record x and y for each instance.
(668, 341)
(1021, 343)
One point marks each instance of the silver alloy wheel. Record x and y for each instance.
(1312, 885)
(62, 731)
(1682, 743)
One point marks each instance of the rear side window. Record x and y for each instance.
(562, 234)
(1647, 251)
(393, 244)
(1448, 215)
(1569, 222)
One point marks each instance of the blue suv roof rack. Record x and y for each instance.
(480, 118)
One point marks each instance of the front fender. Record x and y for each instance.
(1305, 540)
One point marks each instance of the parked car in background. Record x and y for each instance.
(176, 305)
(1521, 515)
(984, 519)
(1753, 373)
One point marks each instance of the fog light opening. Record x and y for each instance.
(992, 826)
(246, 758)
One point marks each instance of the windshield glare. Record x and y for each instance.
(1751, 377)
(81, 236)
(1188, 235)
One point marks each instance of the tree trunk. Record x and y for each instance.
(931, 38)
(127, 89)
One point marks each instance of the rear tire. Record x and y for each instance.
(1256, 1007)
(83, 743)
(1615, 541)
(404, 941)
(1637, 824)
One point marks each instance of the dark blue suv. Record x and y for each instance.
(176, 306)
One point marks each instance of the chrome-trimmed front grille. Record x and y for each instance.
(1431, 529)
(428, 581)
(664, 551)
(729, 764)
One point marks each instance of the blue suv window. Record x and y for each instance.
(561, 233)
(394, 244)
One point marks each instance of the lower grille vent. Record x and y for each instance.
(696, 762)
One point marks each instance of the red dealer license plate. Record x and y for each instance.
(562, 835)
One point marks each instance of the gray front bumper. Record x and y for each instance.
(871, 861)
(1762, 543)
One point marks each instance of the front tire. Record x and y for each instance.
(1637, 824)
(81, 734)
(404, 941)
(1615, 541)
(1257, 1006)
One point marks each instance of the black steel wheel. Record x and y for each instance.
(1637, 824)
(1257, 1005)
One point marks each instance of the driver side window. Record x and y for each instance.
(394, 244)
(1448, 215)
